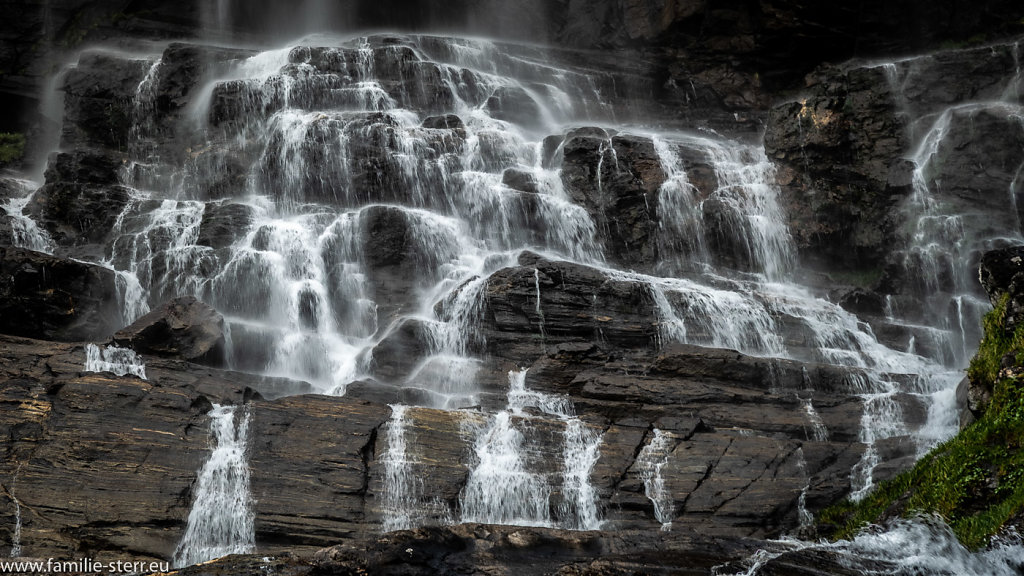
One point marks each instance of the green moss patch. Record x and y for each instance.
(12, 147)
(975, 480)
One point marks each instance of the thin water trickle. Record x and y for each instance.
(16, 550)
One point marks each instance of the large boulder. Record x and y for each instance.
(616, 178)
(545, 302)
(52, 298)
(182, 328)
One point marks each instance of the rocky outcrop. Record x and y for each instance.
(223, 224)
(98, 100)
(722, 476)
(577, 304)
(105, 464)
(42, 296)
(182, 328)
(841, 174)
(81, 200)
(1001, 274)
(616, 177)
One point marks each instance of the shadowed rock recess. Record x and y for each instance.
(635, 288)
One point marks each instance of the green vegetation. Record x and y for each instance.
(12, 147)
(974, 480)
(866, 278)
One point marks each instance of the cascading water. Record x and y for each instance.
(221, 519)
(16, 534)
(924, 545)
(120, 361)
(649, 463)
(402, 489)
(502, 490)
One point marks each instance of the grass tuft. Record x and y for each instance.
(975, 480)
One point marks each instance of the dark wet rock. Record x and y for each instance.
(1001, 273)
(839, 151)
(515, 105)
(183, 67)
(223, 224)
(975, 169)
(724, 388)
(819, 562)
(519, 179)
(392, 250)
(862, 302)
(476, 548)
(300, 506)
(183, 328)
(577, 304)
(405, 345)
(113, 460)
(99, 96)
(110, 459)
(446, 122)
(616, 178)
(81, 199)
(52, 298)
(931, 83)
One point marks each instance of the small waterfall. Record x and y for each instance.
(882, 418)
(804, 516)
(681, 219)
(579, 499)
(120, 361)
(221, 519)
(818, 431)
(537, 308)
(649, 464)
(500, 489)
(923, 545)
(402, 488)
(25, 232)
(16, 535)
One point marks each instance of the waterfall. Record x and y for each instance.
(402, 488)
(16, 535)
(818, 432)
(502, 490)
(221, 519)
(24, 230)
(649, 464)
(339, 194)
(579, 498)
(804, 516)
(120, 361)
